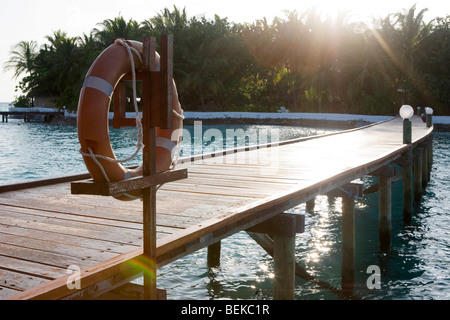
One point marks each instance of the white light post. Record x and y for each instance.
(406, 112)
(429, 115)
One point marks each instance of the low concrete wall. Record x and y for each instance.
(316, 120)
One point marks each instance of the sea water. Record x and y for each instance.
(417, 266)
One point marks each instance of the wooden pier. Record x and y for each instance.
(58, 245)
(48, 115)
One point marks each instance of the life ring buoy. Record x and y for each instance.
(93, 123)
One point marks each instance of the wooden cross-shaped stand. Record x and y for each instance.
(157, 88)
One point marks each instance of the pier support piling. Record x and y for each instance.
(310, 204)
(430, 155)
(418, 157)
(385, 203)
(407, 174)
(348, 244)
(282, 229)
(213, 258)
(385, 175)
(425, 166)
(348, 192)
(284, 266)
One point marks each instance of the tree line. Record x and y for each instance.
(303, 61)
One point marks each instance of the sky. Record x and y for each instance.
(26, 20)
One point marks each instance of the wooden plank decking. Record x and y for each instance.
(45, 229)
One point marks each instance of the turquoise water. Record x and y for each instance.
(4, 106)
(417, 267)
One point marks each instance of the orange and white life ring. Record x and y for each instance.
(93, 111)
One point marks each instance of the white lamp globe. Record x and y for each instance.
(406, 111)
(428, 111)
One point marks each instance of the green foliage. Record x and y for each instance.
(433, 64)
(304, 61)
(22, 102)
(373, 104)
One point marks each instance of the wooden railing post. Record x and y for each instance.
(157, 112)
(149, 169)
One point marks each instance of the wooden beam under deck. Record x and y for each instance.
(44, 229)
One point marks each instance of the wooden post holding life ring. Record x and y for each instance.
(93, 113)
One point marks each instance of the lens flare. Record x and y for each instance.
(144, 264)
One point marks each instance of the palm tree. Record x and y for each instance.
(117, 28)
(320, 59)
(364, 69)
(57, 39)
(167, 22)
(319, 81)
(206, 58)
(21, 59)
(290, 48)
(412, 31)
(433, 64)
(363, 65)
(268, 71)
(90, 48)
(400, 36)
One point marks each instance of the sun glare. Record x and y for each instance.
(355, 9)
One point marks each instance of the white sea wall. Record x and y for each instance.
(282, 115)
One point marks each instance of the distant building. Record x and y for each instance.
(42, 101)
